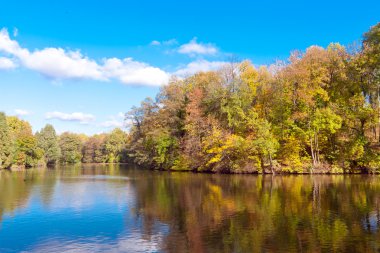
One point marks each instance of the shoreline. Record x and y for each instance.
(266, 172)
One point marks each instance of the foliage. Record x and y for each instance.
(20, 148)
(319, 112)
(47, 140)
(71, 148)
(93, 150)
(6, 144)
(26, 153)
(115, 146)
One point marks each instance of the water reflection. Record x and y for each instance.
(112, 208)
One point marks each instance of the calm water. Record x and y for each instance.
(116, 209)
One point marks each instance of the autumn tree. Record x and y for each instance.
(93, 150)
(6, 146)
(26, 153)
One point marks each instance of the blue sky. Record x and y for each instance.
(80, 64)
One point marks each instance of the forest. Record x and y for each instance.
(20, 148)
(317, 112)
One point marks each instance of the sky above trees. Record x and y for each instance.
(80, 66)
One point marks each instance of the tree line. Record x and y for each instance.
(317, 112)
(20, 148)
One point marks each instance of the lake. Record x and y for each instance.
(113, 208)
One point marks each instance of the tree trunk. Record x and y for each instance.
(317, 148)
(312, 150)
(271, 164)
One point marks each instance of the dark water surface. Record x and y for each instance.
(118, 209)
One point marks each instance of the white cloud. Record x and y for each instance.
(155, 43)
(199, 66)
(6, 44)
(75, 116)
(115, 121)
(170, 42)
(129, 71)
(21, 112)
(6, 63)
(194, 48)
(58, 64)
(15, 32)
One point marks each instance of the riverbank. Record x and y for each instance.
(45, 166)
(278, 170)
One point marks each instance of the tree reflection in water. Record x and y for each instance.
(186, 212)
(240, 213)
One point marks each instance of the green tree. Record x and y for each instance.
(71, 148)
(265, 142)
(319, 111)
(6, 144)
(115, 146)
(47, 140)
(26, 151)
